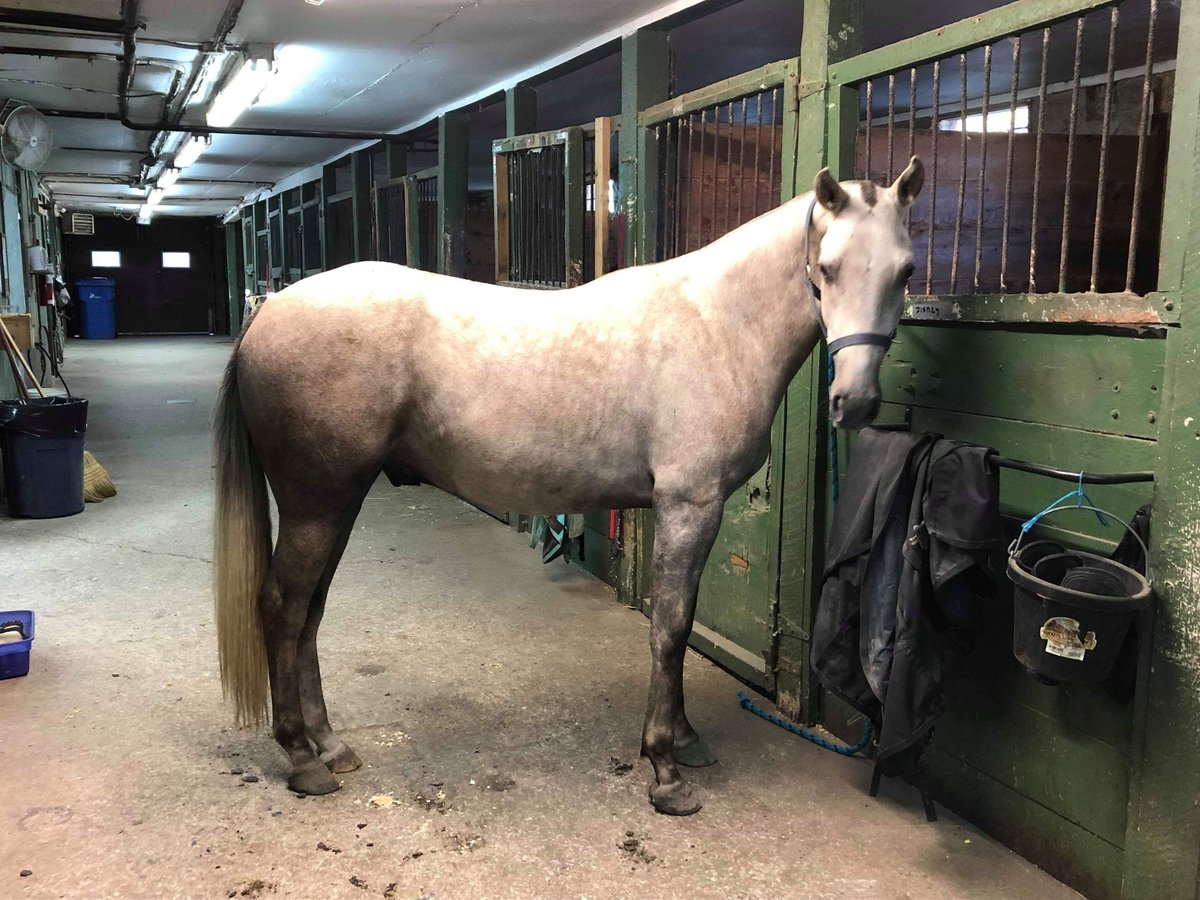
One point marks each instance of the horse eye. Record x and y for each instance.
(826, 273)
(906, 273)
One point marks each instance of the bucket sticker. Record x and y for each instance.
(1062, 638)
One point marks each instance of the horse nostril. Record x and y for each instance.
(835, 402)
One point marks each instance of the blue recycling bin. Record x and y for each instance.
(42, 444)
(97, 308)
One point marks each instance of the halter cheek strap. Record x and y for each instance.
(814, 295)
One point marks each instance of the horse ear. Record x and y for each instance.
(830, 194)
(910, 182)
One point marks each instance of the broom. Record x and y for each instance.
(97, 486)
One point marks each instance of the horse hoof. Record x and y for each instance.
(675, 800)
(313, 780)
(696, 755)
(341, 760)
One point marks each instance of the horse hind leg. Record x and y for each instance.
(337, 755)
(302, 550)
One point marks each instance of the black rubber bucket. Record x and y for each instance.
(42, 442)
(1071, 610)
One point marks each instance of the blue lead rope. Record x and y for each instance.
(810, 736)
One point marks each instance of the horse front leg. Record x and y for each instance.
(684, 531)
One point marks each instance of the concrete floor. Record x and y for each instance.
(496, 704)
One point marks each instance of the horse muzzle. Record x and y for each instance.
(853, 410)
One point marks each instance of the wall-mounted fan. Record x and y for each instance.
(26, 140)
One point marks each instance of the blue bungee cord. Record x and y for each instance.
(746, 702)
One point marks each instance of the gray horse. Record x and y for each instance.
(667, 378)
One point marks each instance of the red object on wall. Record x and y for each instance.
(46, 293)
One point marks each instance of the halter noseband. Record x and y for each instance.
(814, 294)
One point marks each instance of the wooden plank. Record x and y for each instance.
(1097, 382)
(360, 176)
(760, 79)
(1022, 493)
(1046, 309)
(965, 34)
(1082, 779)
(397, 159)
(603, 168)
(500, 209)
(1164, 821)
(1069, 853)
(530, 141)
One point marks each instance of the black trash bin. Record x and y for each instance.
(42, 441)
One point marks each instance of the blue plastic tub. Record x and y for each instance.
(14, 658)
(97, 308)
(42, 443)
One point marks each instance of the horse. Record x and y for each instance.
(666, 376)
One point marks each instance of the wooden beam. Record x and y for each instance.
(360, 178)
(603, 167)
(832, 30)
(452, 193)
(396, 155)
(412, 224)
(645, 81)
(1163, 830)
(520, 110)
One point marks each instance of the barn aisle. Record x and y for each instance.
(496, 704)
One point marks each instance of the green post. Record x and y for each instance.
(360, 179)
(328, 186)
(452, 194)
(233, 234)
(520, 110)
(396, 156)
(1162, 837)
(832, 31)
(573, 202)
(645, 80)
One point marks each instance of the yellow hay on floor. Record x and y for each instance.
(97, 486)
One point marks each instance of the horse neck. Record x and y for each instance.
(756, 273)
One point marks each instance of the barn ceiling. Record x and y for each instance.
(345, 65)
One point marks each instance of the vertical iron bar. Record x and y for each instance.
(1143, 127)
(757, 154)
(706, 234)
(1008, 163)
(678, 190)
(729, 226)
(912, 129)
(691, 186)
(773, 196)
(962, 171)
(1066, 220)
(891, 120)
(742, 165)
(867, 152)
(933, 153)
(983, 145)
(1037, 162)
(1114, 18)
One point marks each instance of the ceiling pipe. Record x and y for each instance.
(65, 21)
(89, 55)
(204, 130)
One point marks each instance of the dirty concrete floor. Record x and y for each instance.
(495, 702)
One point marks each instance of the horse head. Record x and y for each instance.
(859, 260)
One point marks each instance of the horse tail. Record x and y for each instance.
(241, 554)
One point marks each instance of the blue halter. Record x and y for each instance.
(814, 294)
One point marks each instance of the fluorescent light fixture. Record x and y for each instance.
(154, 197)
(314, 2)
(145, 213)
(168, 178)
(240, 92)
(189, 151)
